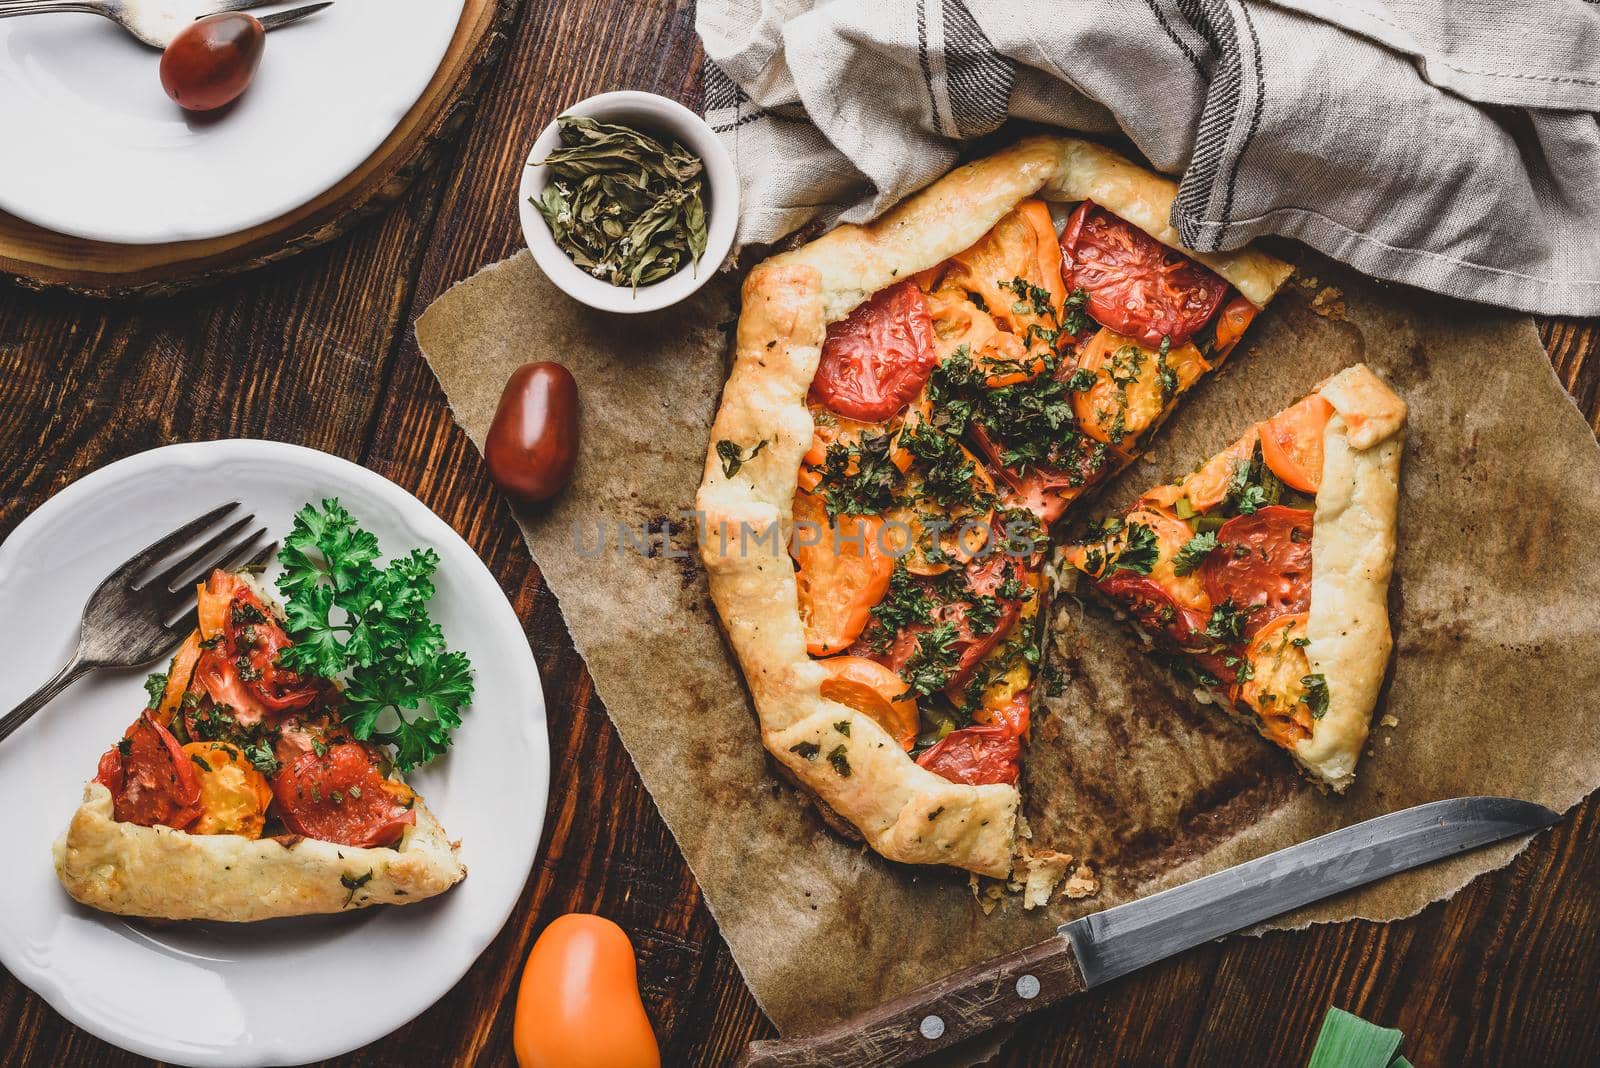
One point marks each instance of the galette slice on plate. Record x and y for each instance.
(237, 794)
(1266, 570)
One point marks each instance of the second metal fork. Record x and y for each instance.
(136, 616)
(155, 22)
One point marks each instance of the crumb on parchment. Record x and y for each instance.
(1329, 303)
(1082, 884)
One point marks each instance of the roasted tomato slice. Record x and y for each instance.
(1153, 608)
(341, 795)
(873, 690)
(841, 571)
(1133, 385)
(1291, 442)
(1276, 688)
(877, 359)
(233, 794)
(1136, 285)
(1044, 491)
(253, 636)
(151, 778)
(976, 756)
(974, 636)
(1262, 560)
(1235, 316)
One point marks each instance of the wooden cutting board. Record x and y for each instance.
(40, 258)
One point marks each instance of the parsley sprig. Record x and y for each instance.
(382, 642)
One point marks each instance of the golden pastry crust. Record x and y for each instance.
(159, 872)
(904, 812)
(1352, 557)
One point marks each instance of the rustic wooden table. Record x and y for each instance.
(320, 351)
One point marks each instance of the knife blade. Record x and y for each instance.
(1105, 945)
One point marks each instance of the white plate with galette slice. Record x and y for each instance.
(281, 991)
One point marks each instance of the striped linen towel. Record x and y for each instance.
(1448, 144)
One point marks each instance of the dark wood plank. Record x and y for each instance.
(320, 351)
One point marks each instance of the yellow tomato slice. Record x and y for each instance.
(1172, 534)
(233, 794)
(1130, 390)
(963, 531)
(841, 571)
(873, 690)
(1207, 487)
(1275, 689)
(1291, 442)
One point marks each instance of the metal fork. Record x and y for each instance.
(135, 617)
(156, 22)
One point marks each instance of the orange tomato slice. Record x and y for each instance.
(841, 571)
(1235, 316)
(1291, 442)
(1274, 690)
(179, 672)
(1172, 534)
(873, 690)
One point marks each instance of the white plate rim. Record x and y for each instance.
(438, 982)
(61, 219)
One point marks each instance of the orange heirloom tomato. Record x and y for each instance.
(1235, 316)
(578, 1005)
(178, 676)
(873, 690)
(1291, 442)
(841, 571)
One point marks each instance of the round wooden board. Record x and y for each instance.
(40, 258)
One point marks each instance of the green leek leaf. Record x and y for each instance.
(1348, 1041)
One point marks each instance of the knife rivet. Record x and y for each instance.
(932, 1027)
(1028, 987)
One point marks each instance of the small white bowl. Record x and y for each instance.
(659, 117)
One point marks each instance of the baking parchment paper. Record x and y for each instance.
(1495, 600)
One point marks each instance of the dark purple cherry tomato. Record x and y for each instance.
(532, 445)
(212, 60)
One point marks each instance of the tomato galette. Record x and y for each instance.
(240, 794)
(1267, 569)
(912, 404)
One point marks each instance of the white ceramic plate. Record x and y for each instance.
(95, 149)
(283, 991)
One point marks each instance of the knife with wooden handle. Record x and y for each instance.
(1105, 945)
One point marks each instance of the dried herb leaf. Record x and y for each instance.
(622, 205)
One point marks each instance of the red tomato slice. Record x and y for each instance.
(251, 632)
(1046, 492)
(985, 576)
(1263, 560)
(151, 778)
(217, 675)
(1136, 285)
(876, 360)
(340, 795)
(976, 756)
(1153, 608)
(1291, 442)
